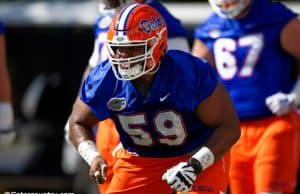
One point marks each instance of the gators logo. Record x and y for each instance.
(116, 104)
(153, 24)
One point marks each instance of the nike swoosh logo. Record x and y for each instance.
(161, 99)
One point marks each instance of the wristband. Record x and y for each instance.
(205, 157)
(88, 151)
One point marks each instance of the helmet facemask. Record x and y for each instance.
(132, 67)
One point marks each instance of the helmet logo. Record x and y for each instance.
(153, 24)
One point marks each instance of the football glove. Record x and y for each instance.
(182, 176)
(281, 103)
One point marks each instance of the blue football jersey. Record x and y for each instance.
(163, 123)
(248, 55)
(2, 29)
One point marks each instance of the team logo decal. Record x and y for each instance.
(153, 24)
(117, 104)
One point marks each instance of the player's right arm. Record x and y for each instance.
(81, 123)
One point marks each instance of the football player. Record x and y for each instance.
(7, 132)
(106, 132)
(107, 139)
(168, 108)
(253, 44)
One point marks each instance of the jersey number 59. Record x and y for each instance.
(168, 125)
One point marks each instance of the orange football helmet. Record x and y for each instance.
(138, 25)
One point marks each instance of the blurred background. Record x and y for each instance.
(48, 46)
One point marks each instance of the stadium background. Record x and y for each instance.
(48, 46)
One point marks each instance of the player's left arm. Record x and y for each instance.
(217, 111)
(281, 103)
